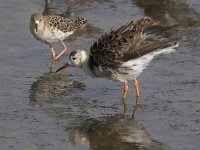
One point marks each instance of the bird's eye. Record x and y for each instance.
(73, 58)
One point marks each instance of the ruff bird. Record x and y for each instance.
(124, 53)
(50, 29)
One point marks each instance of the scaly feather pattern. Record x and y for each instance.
(127, 42)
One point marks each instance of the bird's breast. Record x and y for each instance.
(51, 35)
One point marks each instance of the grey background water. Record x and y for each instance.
(70, 110)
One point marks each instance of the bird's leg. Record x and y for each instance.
(124, 98)
(135, 107)
(53, 52)
(136, 88)
(62, 52)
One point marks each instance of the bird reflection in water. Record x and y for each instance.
(52, 86)
(113, 133)
(48, 9)
(170, 12)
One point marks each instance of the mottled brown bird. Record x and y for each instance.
(50, 29)
(124, 53)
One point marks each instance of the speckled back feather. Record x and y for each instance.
(64, 24)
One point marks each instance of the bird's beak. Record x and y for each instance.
(63, 67)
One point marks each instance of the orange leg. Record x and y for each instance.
(62, 52)
(53, 53)
(136, 88)
(124, 98)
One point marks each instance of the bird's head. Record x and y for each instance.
(36, 21)
(76, 59)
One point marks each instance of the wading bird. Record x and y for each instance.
(50, 29)
(124, 53)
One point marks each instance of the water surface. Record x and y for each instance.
(70, 110)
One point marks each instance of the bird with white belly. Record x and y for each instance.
(50, 29)
(124, 53)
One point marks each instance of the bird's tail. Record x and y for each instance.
(156, 29)
(79, 22)
(148, 27)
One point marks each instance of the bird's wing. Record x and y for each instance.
(109, 48)
(127, 42)
(146, 46)
(66, 24)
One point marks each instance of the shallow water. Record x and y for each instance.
(70, 110)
